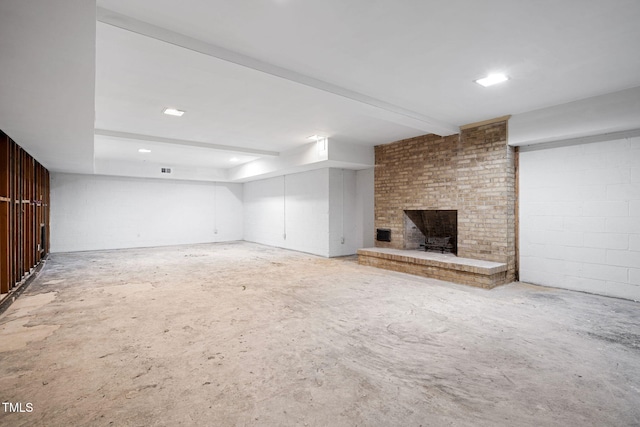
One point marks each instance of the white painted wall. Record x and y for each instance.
(296, 205)
(364, 212)
(315, 209)
(92, 212)
(350, 211)
(307, 212)
(48, 100)
(580, 217)
(343, 238)
(264, 211)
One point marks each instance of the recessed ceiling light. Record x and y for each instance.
(173, 112)
(492, 79)
(144, 150)
(233, 159)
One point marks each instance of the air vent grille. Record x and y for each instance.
(383, 234)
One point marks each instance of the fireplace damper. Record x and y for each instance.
(432, 230)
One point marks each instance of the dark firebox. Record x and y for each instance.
(433, 230)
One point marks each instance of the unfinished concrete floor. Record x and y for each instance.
(240, 334)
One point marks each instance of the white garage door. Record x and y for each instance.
(580, 217)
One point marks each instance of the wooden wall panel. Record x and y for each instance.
(5, 219)
(24, 214)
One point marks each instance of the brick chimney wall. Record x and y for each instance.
(471, 172)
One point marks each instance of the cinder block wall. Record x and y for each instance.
(580, 217)
(471, 172)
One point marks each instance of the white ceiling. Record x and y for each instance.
(424, 55)
(225, 103)
(110, 148)
(264, 75)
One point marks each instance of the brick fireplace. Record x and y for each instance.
(472, 174)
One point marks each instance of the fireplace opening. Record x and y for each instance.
(432, 230)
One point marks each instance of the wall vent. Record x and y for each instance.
(383, 234)
(165, 170)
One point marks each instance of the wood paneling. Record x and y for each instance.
(5, 214)
(24, 214)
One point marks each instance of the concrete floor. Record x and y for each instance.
(240, 334)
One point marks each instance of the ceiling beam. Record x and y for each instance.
(151, 138)
(566, 142)
(391, 112)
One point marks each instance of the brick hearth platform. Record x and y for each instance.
(448, 267)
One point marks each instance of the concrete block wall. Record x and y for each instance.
(92, 212)
(472, 172)
(580, 217)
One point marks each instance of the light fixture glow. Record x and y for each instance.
(233, 159)
(173, 112)
(492, 79)
(313, 138)
(144, 150)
